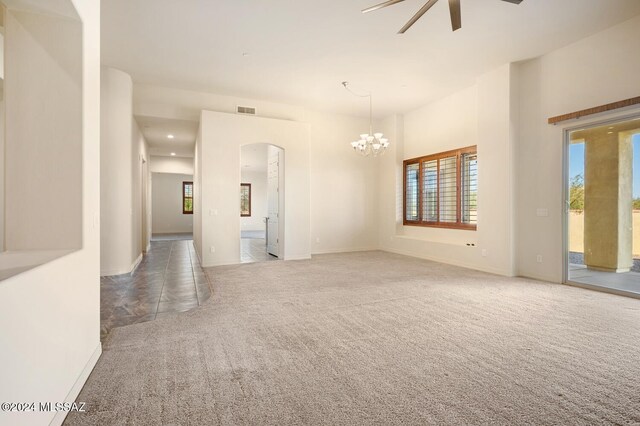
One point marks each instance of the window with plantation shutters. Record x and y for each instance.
(411, 185)
(469, 189)
(441, 190)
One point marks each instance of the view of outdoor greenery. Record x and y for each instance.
(576, 194)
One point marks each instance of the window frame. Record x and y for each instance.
(458, 224)
(248, 185)
(184, 197)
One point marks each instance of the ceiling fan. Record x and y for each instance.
(454, 9)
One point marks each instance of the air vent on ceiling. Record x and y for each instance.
(246, 110)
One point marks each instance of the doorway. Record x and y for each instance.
(261, 203)
(171, 207)
(603, 206)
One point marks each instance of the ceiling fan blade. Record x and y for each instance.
(381, 5)
(417, 16)
(514, 1)
(456, 16)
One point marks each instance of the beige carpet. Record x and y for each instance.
(374, 338)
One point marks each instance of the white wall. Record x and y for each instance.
(337, 174)
(181, 165)
(343, 185)
(156, 101)
(258, 181)
(50, 322)
(479, 115)
(520, 156)
(124, 170)
(116, 175)
(167, 204)
(219, 179)
(2, 170)
(597, 70)
(141, 194)
(2, 147)
(2, 48)
(43, 131)
(197, 195)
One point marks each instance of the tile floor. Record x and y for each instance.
(172, 237)
(627, 283)
(254, 250)
(169, 279)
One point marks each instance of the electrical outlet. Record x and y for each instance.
(485, 253)
(542, 212)
(539, 258)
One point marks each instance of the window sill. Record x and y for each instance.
(442, 225)
(16, 262)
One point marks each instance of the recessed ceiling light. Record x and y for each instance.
(610, 133)
(173, 154)
(170, 136)
(245, 54)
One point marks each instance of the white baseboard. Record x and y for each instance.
(223, 263)
(195, 248)
(120, 271)
(502, 272)
(135, 264)
(58, 419)
(345, 250)
(298, 257)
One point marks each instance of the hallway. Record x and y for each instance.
(169, 279)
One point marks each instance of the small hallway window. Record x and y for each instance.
(187, 197)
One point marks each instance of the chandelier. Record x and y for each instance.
(373, 144)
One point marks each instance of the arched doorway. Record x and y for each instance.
(261, 202)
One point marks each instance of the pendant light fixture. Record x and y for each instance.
(369, 144)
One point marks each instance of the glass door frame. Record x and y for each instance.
(627, 114)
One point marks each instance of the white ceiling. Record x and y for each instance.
(156, 131)
(300, 50)
(254, 157)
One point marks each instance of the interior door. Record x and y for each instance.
(273, 201)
